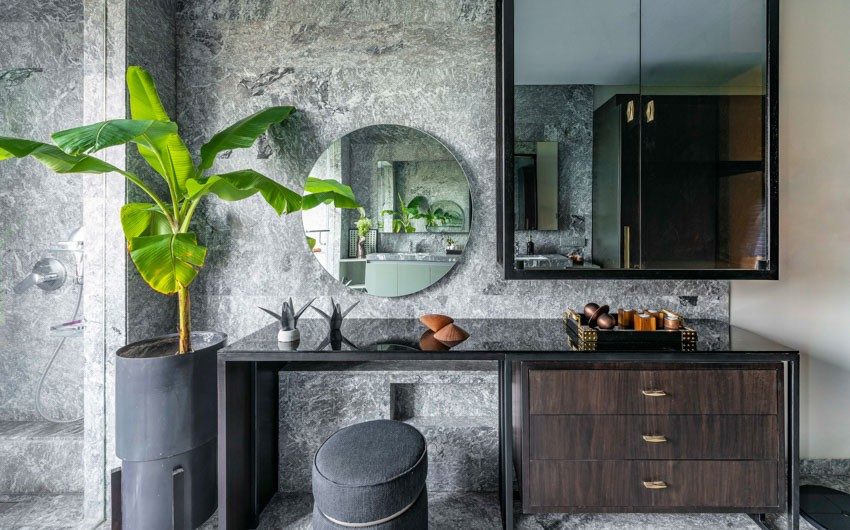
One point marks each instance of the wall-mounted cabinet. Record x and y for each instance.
(658, 120)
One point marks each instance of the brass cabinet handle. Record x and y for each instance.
(654, 484)
(654, 438)
(653, 392)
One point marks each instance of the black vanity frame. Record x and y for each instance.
(248, 417)
(505, 168)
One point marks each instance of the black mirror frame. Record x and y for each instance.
(504, 12)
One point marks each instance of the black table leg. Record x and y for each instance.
(506, 474)
(793, 480)
(265, 408)
(235, 470)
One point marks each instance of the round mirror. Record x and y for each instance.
(414, 215)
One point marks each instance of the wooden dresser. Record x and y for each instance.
(641, 437)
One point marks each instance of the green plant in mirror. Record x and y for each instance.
(330, 192)
(165, 251)
(435, 217)
(363, 225)
(407, 212)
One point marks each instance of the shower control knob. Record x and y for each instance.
(48, 274)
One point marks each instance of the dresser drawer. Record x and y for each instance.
(636, 437)
(671, 391)
(555, 485)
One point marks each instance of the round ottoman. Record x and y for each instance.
(371, 475)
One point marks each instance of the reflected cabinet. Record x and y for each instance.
(638, 138)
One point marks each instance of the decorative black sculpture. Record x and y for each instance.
(335, 337)
(288, 319)
(337, 315)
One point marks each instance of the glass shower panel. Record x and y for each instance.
(41, 271)
(703, 94)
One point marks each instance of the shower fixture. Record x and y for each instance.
(49, 274)
(73, 244)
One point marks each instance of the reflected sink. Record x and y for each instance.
(410, 256)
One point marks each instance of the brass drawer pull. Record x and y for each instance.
(654, 484)
(653, 392)
(654, 438)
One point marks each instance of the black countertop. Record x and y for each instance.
(489, 339)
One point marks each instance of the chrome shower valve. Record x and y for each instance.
(48, 274)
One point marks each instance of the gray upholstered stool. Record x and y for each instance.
(371, 475)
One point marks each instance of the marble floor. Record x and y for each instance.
(447, 511)
(43, 511)
(480, 511)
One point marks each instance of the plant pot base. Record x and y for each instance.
(165, 414)
(148, 496)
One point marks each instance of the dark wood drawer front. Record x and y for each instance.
(686, 437)
(744, 486)
(732, 391)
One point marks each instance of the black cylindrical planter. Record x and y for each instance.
(165, 414)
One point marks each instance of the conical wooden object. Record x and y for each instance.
(435, 322)
(451, 335)
(428, 343)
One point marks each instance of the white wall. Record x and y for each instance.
(814, 100)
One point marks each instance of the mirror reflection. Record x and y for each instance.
(639, 134)
(415, 216)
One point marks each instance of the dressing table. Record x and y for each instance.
(728, 414)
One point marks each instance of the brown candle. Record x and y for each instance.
(644, 322)
(626, 318)
(672, 322)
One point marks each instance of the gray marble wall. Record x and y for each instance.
(454, 405)
(562, 114)
(41, 80)
(428, 64)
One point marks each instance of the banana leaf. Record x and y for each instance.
(89, 139)
(242, 184)
(242, 133)
(328, 191)
(138, 219)
(165, 153)
(167, 262)
(52, 157)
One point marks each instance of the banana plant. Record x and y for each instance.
(164, 250)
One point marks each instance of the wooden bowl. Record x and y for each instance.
(451, 335)
(428, 343)
(435, 322)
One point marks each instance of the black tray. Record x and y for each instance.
(585, 338)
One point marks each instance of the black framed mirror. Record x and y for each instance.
(638, 138)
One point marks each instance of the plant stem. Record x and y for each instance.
(187, 218)
(185, 330)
